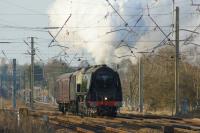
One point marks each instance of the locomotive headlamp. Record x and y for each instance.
(106, 98)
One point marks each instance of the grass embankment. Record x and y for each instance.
(12, 122)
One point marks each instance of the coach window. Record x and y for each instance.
(78, 88)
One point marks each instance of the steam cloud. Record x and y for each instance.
(96, 27)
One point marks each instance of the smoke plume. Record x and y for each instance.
(111, 30)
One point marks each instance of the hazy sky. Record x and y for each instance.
(17, 17)
(20, 19)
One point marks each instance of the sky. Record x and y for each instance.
(18, 18)
(89, 32)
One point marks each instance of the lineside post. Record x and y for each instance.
(14, 85)
(177, 64)
(32, 71)
(141, 97)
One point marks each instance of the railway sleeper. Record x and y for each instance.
(114, 130)
(81, 130)
(179, 129)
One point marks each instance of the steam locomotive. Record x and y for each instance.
(88, 91)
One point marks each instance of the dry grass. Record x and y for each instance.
(7, 104)
(10, 123)
(158, 112)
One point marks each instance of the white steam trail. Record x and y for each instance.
(97, 28)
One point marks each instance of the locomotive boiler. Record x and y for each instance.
(92, 90)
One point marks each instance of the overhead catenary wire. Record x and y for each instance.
(59, 30)
(19, 6)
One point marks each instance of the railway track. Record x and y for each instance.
(122, 123)
(164, 122)
(76, 123)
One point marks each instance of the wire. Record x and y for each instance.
(19, 6)
(54, 38)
